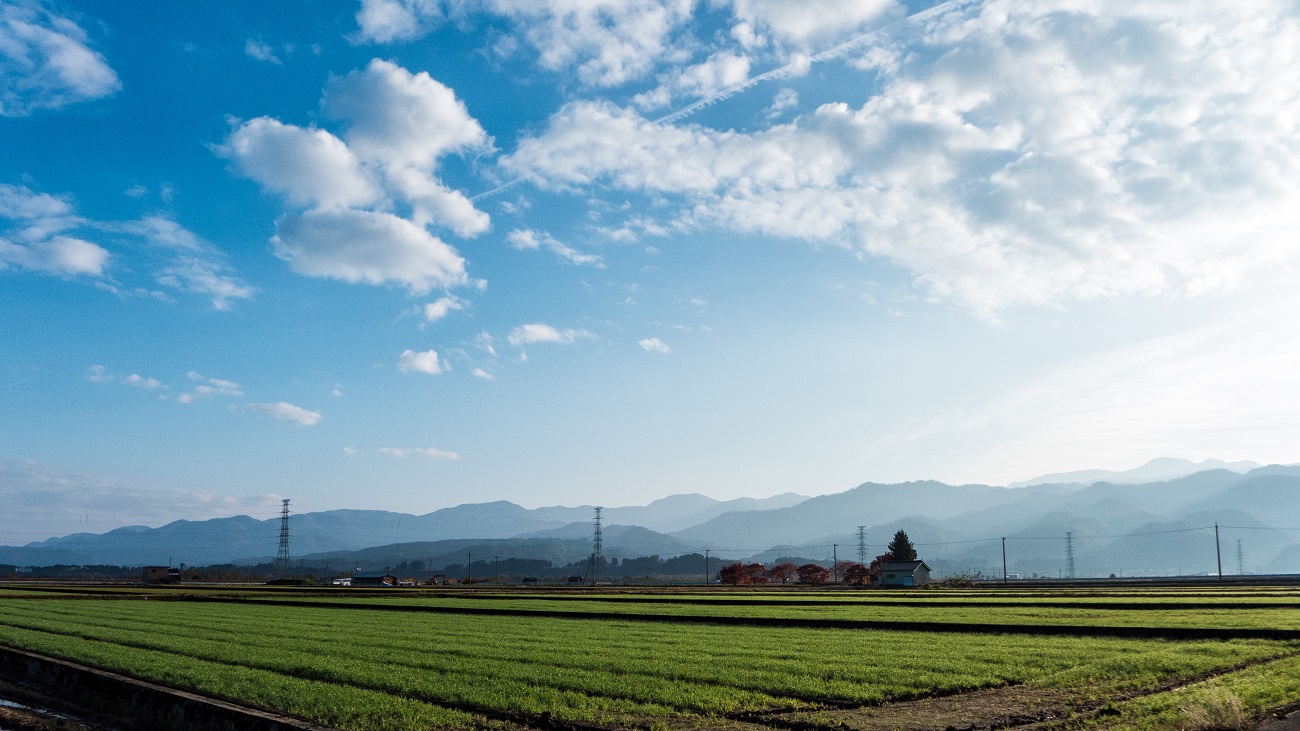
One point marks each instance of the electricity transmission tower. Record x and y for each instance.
(1069, 554)
(862, 544)
(282, 556)
(597, 548)
(1241, 560)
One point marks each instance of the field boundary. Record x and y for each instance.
(149, 704)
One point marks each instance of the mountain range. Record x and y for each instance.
(1157, 527)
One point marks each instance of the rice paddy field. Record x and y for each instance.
(693, 659)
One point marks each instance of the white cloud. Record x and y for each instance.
(385, 21)
(540, 332)
(606, 42)
(1016, 154)
(63, 255)
(365, 246)
(46, 62)
(480, 373)
(422, 362)
(422, 452)
(343, 192)
(284, 411)
(805, 23)
(311, 167)
(139, 381)
(101, 374)
(529, 239)
(261, 51)
(654, 345)
(441, 307)
(719, 71)
(205, 386)
(38, 240)
(398, 118)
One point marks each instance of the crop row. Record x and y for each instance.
(1280, 617)
(590, 669)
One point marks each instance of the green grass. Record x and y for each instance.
(400, 670)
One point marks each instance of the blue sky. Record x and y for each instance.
(406, 254)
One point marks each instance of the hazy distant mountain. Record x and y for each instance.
(242, 538)
(1161, 468)
(866, 504)
(677, 512)
(1159, 527)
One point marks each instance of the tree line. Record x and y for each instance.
(849, 572)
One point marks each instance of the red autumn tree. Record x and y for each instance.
(734, 574)
(783, 571)
(856, 573)
(811, 573)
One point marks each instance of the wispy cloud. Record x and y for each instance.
(419, 452)
(529, 239)
(46, 62)
(654, 345)
(540, 332)
(284, 411)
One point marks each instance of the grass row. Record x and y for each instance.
(1281, 617)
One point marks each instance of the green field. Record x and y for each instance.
(425, 660)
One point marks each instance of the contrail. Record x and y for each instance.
(775, 73)
(15, 383)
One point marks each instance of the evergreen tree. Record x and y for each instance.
(901, 547)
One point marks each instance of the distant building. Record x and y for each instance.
(903, 573)
(160, 575)
(373, 578)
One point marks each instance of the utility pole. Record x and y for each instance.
(1004, 560)
(282, 555)
(1218, 555)
(835, 562)
(862, 545)
(469, 567)
(706, 566)
(496, 568)
(1069, 554)
(1241, 563)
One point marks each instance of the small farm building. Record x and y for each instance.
(903, 573)
(374, 578)
(160, 575)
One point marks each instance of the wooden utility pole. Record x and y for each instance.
(1217, 554)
